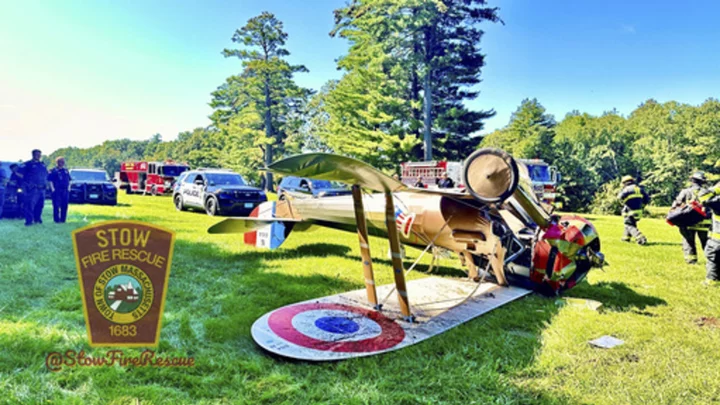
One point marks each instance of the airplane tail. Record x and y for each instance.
(268, 225)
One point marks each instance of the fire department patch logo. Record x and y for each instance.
(123, 268)
(123, 294)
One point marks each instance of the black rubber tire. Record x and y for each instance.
(178, 201)
(211, 206)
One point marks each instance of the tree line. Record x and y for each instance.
(410, 67)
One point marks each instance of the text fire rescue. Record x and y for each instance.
(122, 244)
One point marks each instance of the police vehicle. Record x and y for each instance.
(12, 207)
(91, 186)
(218, 192)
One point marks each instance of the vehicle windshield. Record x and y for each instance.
(539, 173)
(88, 175)
(225, 179)
(172, 170)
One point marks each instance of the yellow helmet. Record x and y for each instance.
(627, 179)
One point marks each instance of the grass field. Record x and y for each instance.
(531, 351)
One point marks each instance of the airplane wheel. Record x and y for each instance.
(211, 206)
(179, 203)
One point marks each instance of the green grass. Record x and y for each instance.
(530, 351)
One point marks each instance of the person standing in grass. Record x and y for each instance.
(34, 181)
(59, 179)
(634, 199)
(692, 193)
(711, 199)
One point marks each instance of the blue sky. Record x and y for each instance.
(80, 72)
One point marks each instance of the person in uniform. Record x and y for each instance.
(692, 193)
(59, 179)
(419, 183)
(3, 181)
(34, 180)
(634, 198)
(445, 181)
(711, 199)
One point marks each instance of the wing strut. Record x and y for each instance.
(397, 264)
(365, 247)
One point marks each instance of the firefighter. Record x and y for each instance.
(34, 180)
(692, 193)
(711, 199)
(445, 181)
(634, 199)
(59, 179)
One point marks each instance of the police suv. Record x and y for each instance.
(217, 191)
(91, 186)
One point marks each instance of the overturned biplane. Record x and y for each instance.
(496, 226)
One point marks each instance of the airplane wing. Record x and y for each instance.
(326, 166)
(246, 224)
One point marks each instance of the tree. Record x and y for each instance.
(529, 133)
(265, 87)
(430, 51)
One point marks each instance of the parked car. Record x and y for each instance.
(218, 192)
(91, 186)
(310, 187)
(13, 194)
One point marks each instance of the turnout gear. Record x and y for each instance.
(634, 198)
(687, 196)
(711, 199)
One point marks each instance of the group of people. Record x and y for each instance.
(634, 198)
(33, 178)
(443, 182)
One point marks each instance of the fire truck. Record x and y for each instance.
(431, 172)
(156, 178)
(544, 179)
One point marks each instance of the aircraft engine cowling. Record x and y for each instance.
(490, 175)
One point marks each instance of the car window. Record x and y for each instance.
(182, 177)
(321, 184)
(225, 179)
(199, 177)
(188, 179)
(88, 175)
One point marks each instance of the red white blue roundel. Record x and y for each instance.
(333, 327)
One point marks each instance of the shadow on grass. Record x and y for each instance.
(615, 296)
(663, 244)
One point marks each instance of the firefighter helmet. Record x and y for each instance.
(627, 179)
(699, 177)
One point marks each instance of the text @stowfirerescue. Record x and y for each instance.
(56, 361)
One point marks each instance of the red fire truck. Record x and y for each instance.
(544, 180)
(156, 178)
(431, 172)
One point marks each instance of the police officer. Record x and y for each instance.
(634, 199)
(711, 199)
(692, 193)
(34, 180)
(59, 179)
